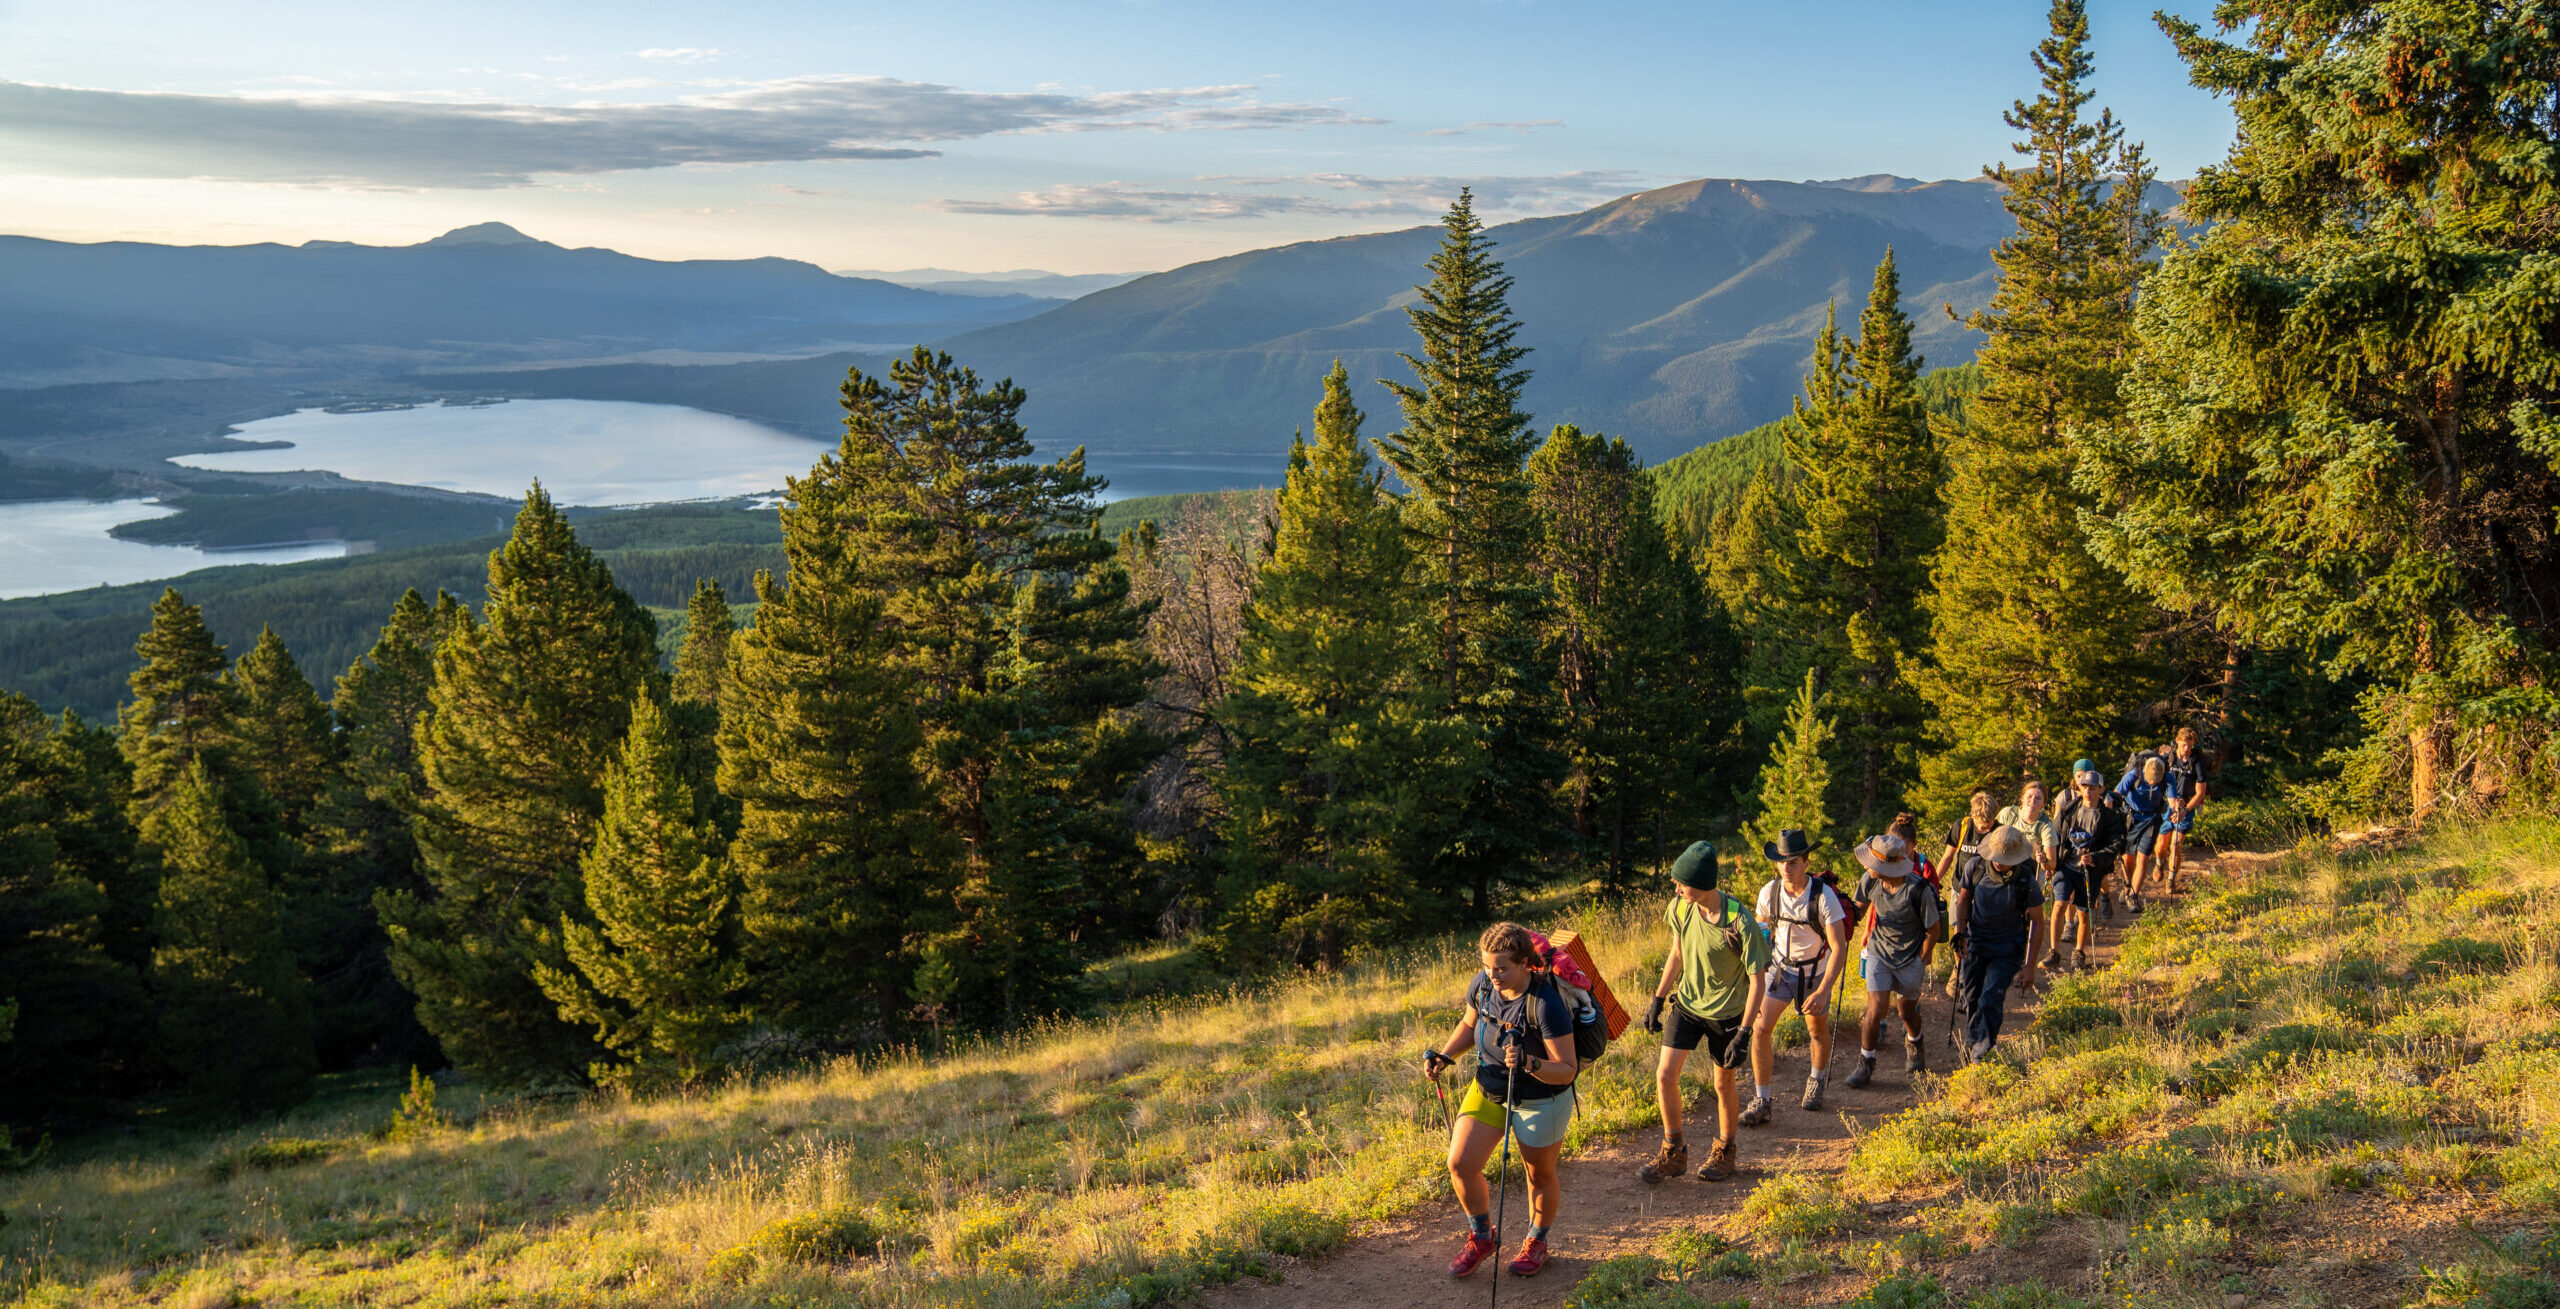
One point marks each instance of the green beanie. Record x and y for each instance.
(1696, 866)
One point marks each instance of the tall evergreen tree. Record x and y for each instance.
(2342, 429)
(1751, 565)
(1011, 622)
(281, 737)
(1795, 785)
(181, 707)
(1632, 636)
(1324, 721)
(657, 975)
(1867, 472)
(527, 707)
(704, 656)
(1462, 456)
(75, 1036)
(234, 1018)
(2036, 643)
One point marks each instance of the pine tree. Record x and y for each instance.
(1751, 566)
(380, 703)
(75, 1037)
(1795, 785)
(704, 656)
(693, 713)
(1867, 472)
(2036, 643)
(527, 707)
(234, 1018)
(658, 975)
(1629, 629)
(1011, 624)
(280, 736)
(839, 862)
(1323, 718)
(181, 707)
(1466, 514)
(2342, 435)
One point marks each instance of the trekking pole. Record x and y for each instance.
(1839, 987)
(1502, 1186)
(1441, 1089)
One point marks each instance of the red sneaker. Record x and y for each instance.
(1478, 1249)
(1531, 1259)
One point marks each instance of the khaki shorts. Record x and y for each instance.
(1882, 978)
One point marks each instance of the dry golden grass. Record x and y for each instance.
(1114, 1161)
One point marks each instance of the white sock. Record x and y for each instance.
(1819, 1075)
(1865, 1053)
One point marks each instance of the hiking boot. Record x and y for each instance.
(1668, 1162)
(1812, 1094)
(2052, 959)
(2080, 960)
(1981, 1050)
(1758, 1111)
(1915, 1056)
(1719, 1164)
(1532, 1258)
(1477, 1250)
(2133, 903)
(1864, 1073)
(2106, 906)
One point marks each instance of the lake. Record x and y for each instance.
(617, 452)
(62, 545)
(586, 452)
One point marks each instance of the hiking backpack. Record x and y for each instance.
(1596, 1015)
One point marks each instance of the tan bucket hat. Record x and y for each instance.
(2007, 847)
(1885, 856)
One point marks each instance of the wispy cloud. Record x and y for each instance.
(1523, 125)
(683, 54)
(66, 131)
(1322, 195)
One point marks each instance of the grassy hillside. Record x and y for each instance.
(2331, 1079)
(1113, 1162)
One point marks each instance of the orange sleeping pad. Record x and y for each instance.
(1611, 1012)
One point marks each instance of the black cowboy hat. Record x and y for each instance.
(1790, 843)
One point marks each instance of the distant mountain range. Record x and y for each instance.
(1671, 317)
(476, 297)
(1019, 281)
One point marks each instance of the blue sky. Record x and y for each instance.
(992, 134)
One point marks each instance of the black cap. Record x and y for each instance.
(1696, 866)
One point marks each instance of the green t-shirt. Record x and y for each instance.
(1717, 958)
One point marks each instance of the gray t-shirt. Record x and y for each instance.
(1905, 918)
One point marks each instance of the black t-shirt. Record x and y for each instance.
(1997, 915)
(2102, 823)
(1554, 1020)
(1967, 839)
(2189, 773)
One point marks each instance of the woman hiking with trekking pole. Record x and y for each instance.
(1522, 1030)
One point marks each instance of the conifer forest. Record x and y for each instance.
(2281, 467)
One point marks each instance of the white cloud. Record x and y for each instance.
(1522, 125)
(1321, 195)
(683, 54)
(66, 131)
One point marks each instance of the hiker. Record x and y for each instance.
(2147, 792)
(1809, 934)
(2028, 816)
(1996, 899)
(2187, 773)
(1907, 826)
(2092, 833)
(1522, 1030)
(1711, 992)
(1903, 925)
(1963, 841)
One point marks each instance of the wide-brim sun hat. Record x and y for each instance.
(2007, 847)
(1696, 866)
(1885, 856)
(1790, 843)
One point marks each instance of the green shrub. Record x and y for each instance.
(2120, 1181)
(2461, 954)
(265, 1156)
(1639, 1281)
(1299, 1233)
(1902, 1291)
(834, 1235)
(1792, 1205)
(2029, 1294)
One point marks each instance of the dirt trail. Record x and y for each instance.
(1607, 1211)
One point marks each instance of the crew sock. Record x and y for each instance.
(1538, 1233)
(1481, 1224)
(1821, 1075)
(1865, 1053)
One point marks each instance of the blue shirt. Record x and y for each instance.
(2148, 799)
(1554, 1020)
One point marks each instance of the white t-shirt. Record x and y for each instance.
(1788, 916)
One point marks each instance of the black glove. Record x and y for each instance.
(1435, 1063)
(1653, 1016)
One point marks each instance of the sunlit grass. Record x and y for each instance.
(1122, 1160)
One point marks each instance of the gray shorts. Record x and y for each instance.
(1882, 977)
(1784, 979)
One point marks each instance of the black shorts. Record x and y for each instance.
(2143, 833)
(1727, 1041)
